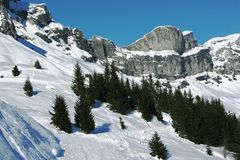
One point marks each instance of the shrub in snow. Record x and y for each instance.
(15, 71)
(122, 124)
(209, 151)
(28, 89)
(158, 149)
(37, 65)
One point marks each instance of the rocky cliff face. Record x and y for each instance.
(165, 38)
(225, 52)
(161, 38)
(164, 64)
(189, 40)
(103, 48)
(6, 23)
(196, 61)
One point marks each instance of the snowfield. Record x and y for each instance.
(108, 141)
(21, 137)
(25, 129)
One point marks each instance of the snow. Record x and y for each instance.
(108, 141)
(193, 51)
(22, 137)
(129, 54)
(186, 33)
(220, 47)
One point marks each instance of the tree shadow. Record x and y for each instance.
(104, 128)
(36, 92)
(97, 104)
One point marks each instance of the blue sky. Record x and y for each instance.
(124, 21)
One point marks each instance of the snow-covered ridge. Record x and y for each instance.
(187, 33)
(21, 137)
(153, 30)
(129, 54)
(194, 51)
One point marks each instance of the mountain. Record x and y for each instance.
(29, 33)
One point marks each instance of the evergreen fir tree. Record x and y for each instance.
(60, 116)
(78, 81)
(15, 71)
(146, 102)
(37, 65)
(157, 148)
(106, 82)
(83, 116)
(28, 89)
(122, 124)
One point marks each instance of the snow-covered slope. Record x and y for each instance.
(108, 141)
(21, 137)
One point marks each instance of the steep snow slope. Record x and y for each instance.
(108, 141)
(23, 138)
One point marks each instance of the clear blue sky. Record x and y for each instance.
(124, 21)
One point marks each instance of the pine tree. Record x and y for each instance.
(60, 116)
(37, 65)
(83, 116)
(157, 148)
(78, 81)
(106, 82)
(122, 124)
(146, 102)
(15, 71)
(28, 89)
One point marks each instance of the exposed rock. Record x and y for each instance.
(217, 79)
(39, 15)
(225, 52)
(103, 48)
(204, 77)
(44, 37)
(189, 40)
(161, 38)
(196, 61)
(167, 85)
(81, 42)
(184, 84)
(6, 24)
(162, 66)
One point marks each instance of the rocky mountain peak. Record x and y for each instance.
(165, 38)
(39, 15)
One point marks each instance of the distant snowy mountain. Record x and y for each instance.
(28, 33)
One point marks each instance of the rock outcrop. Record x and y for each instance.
(39, 15)
(103, 48)
(189, 40)
(6, 24)
(165, 38)
(164, 64)
(196, 61)
(161, 38)
(225, 52)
